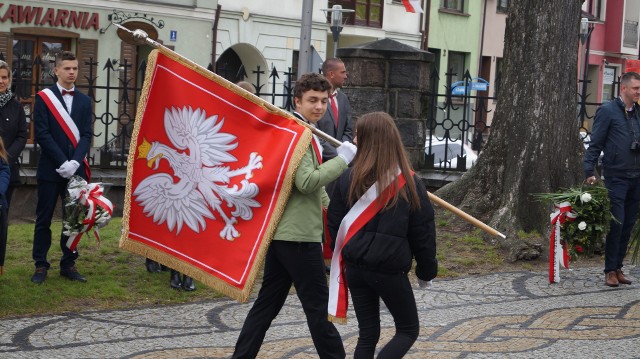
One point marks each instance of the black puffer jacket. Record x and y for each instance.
(392, 238)
(13, 130)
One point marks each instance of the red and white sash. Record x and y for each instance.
(362, 212)
(65, 121)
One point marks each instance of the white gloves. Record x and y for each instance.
(347, 151)
(68, 168)
(424, 283)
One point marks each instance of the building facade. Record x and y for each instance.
(33, 32)
(609, 47)
(240, 40)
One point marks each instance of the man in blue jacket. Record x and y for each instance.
(616, 132)
(63, 129)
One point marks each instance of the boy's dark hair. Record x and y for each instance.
(64, 56)
(311, 81)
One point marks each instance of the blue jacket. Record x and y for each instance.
(5, 176)
(613, 133)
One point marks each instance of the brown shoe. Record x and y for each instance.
(611, 279)
(621, 277)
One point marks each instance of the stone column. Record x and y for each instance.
(389, 76)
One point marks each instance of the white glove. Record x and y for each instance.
(68, 168)
(424, 283)
(347, 151)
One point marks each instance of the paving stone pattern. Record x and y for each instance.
(514, 315)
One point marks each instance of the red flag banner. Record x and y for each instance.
(210, 169)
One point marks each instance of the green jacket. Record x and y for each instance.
(302, 217)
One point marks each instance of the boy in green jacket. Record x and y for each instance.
(295, 254)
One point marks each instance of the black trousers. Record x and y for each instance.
(367, 287)
(301, 264)
(624, 196)
(48, 194)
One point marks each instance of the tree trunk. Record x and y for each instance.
(534, 144)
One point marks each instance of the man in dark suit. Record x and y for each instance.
(336, 122)
(63, 129)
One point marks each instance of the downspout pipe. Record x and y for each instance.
(214, 39)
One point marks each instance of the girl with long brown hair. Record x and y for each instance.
(379, 255)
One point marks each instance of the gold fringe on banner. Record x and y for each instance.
(198, 274)
(334, 319)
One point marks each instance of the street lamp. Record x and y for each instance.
(336, 24)
(584, 30)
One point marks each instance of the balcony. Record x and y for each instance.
(630, 38)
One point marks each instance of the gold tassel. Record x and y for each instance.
(334, 319)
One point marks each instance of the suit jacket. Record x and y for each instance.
(13, 130)
(56, 146)
(342, 132)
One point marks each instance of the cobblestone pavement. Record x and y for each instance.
(515, 315)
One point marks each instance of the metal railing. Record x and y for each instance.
(456, 122)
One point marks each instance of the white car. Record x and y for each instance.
(453, 150)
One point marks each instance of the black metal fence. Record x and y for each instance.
(457, 123)
(116, 100)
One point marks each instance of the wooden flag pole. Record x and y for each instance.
(139, 36)
(464, 215)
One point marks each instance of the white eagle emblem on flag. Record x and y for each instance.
(197, 159)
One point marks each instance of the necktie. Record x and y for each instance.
(65, 92)
(334, 107)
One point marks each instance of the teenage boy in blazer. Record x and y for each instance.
(63, 128)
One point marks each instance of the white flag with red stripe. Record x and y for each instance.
(412, 6)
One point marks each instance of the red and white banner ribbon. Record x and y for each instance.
(558, 254)
(92, 197)
(362, 211)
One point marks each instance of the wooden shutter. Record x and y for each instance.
(87, 52)
(5, 47)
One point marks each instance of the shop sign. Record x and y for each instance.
(608, 75)
(40, 16)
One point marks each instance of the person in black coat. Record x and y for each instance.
(63, 120)
(379, 255)
(13, 131)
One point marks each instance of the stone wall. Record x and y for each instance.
(386, 75)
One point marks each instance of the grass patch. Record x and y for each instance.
(118, 279)
(115, 278)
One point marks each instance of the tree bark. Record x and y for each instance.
(534, 144)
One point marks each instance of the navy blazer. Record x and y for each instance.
(56, 146)
(327, 124)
